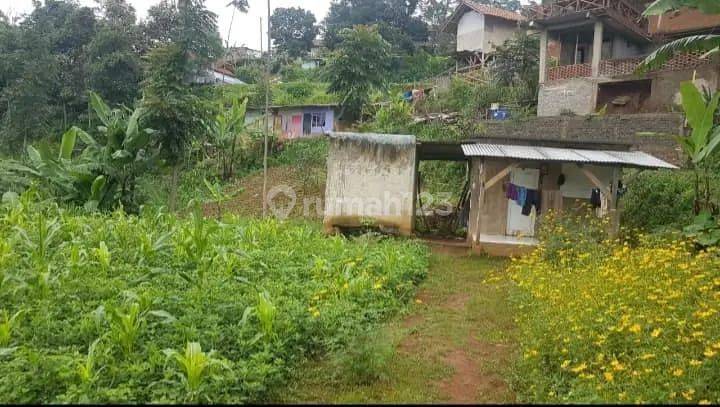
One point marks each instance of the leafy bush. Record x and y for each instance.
(92, 306)
(366, 358)
(658, 200)
(622, 324)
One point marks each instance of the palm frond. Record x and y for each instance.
(659, 7)
(706, 43)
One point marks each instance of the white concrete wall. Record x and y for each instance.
(370, 179)
(574, 95)
(471, 32)
(497, 31)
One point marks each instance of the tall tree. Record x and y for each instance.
(358, 66)
(113, 62)
(189, 47)
(42, 86)
(293, 30)
(396, 20)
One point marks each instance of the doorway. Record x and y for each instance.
(517, 223)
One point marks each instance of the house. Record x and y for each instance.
(298, 121)
(478, 29)
(590, 49)
(217, 76)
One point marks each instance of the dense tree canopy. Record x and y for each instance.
(293, 30)
(396, 20)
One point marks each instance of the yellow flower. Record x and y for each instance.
(608, 376)
(635, 328)
(418, 301)
(656, 332)
(709, 352)
(695, 362)
(647, 356)
(565, 364)
(579, 368)
(704, 402)
(678, 372)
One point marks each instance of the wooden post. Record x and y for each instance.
(477, 200)
(543, 55)
(614, 226)
(597, 49)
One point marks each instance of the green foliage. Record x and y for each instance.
(104, 174)
(317, 294)
(357, 67)
(657, 200)
(703, 141)
(225, 130)
(704, 230)
(516, 61)
(293, 30)
(397, 21)
(366, 359)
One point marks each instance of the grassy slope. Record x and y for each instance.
(455, 345)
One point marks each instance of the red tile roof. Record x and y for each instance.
(493, 11)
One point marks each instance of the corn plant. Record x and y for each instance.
(266, 313)
(7, 325)
(126, 325)
(40, 243)
(194, 364)
(86, 369)
(103, 256)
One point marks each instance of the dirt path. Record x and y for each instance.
(455, 345)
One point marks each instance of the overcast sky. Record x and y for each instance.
(245, 28)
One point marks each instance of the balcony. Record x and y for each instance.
(626, 12)
(614, 68)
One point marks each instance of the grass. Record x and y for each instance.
(455, 343)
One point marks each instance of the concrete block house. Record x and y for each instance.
(298, 121)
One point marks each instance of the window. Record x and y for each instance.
(318, 119)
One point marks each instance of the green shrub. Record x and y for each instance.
(658, 200)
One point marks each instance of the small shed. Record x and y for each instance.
(513, 185)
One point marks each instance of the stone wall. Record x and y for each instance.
(573, 95)
(371, 181)
(652, 132)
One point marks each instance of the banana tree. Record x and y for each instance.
(702, 141)
(103, 174)
(223, 131)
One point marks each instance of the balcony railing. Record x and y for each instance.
(612, 68)
(557, 73)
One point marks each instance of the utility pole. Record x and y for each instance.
(267, 111)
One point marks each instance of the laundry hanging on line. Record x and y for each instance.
(524, 197)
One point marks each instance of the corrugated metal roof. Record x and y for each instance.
(530, 153)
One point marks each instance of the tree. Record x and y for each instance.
(397, 21)
(113, 63)
(709, 44)
(178, 56)
(293, 30)
(359, 65)
(42, 71)
(516, 61)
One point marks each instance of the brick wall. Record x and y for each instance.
(652, 133)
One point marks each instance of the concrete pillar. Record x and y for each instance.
(543, 55)
(597, 49)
